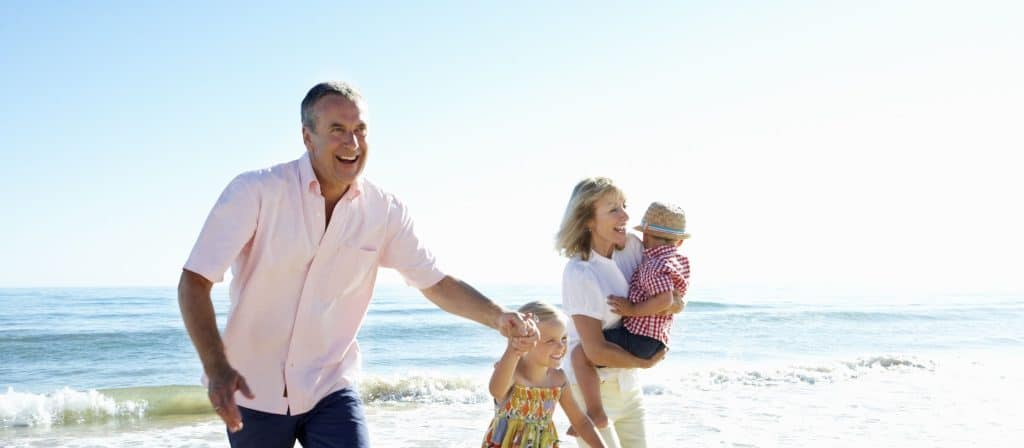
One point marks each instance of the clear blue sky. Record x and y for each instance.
(831, 143)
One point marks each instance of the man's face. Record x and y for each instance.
(337, 146)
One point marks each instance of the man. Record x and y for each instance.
(305, 239)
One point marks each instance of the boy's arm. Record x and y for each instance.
(678, 304)
(652, 306)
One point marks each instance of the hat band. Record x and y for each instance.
(664, 229)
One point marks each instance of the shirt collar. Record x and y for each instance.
(660, 251)
(306, 175)
(308, 179)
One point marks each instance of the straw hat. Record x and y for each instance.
(664, 221)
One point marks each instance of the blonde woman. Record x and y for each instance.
(602, 258)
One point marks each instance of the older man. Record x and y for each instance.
(304, 240)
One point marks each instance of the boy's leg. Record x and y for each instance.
(336, 421)
(642, 346)
(590, 385)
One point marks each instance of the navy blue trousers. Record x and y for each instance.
(337, 421)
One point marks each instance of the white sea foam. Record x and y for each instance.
(67, 406)
(64, 406)
(423, 389)
(890, 400)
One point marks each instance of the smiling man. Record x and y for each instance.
(304, 240)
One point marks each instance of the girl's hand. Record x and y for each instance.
(522, 344)
(621, 306)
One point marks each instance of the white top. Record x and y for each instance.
(586, 286)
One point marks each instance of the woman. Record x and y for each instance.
(602, 258)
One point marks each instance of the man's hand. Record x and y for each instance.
(513, 324)
(223, 382)
(621, 306)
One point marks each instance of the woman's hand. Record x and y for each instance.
(621, 306)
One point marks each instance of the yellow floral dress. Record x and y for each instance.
(524, 419)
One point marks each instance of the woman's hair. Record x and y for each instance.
(573, 236)
(542, 311)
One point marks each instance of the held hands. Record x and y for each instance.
(513, 324)
(223, 382)
(518, 342)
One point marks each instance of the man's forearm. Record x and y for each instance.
(200, 319)
(457, 297)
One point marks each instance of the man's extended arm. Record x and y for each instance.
(457, 297)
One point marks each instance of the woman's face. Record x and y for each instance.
(608, 227)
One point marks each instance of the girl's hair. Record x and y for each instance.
(573, 236)
(543, 311)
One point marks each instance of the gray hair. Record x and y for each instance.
(325, 89)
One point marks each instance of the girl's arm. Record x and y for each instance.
(505, 369)
(604, 353)
(580, 422)
(504, 372)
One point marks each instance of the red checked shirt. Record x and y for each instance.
(663, 269)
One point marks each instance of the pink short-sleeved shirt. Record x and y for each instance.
(299, 292)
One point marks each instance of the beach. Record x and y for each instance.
(114, 367)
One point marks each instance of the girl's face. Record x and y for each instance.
(551, 346)
(608, 227)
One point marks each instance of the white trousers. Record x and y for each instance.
(625, 412)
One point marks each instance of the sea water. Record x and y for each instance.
(115, 367)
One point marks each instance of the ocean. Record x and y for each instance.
(94, 367)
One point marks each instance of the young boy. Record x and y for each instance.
(644, 332)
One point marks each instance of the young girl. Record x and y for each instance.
(527, 383)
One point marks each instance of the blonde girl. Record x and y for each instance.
(527, 383)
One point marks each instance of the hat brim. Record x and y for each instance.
(667, 236)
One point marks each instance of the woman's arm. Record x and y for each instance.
(604, 353)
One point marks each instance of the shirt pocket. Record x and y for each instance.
(354, 271)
